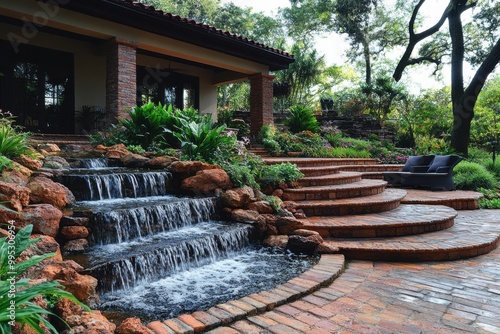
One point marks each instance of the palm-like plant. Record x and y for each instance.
(301, 119)
(17, 294)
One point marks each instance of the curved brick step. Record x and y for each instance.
(331, 179)
(474, 233)
(338, 191)
(320, 171)
(329, 267)
(458, 199)
(388, 200)
(404, 220)
(321, 162)
(372, 168)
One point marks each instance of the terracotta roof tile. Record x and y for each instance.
(200, 25)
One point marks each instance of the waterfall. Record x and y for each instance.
(96, 163)
(116, 226)
(167, 258)
(95, 187)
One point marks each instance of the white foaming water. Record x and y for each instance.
(205, 286)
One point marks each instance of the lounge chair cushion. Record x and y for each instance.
(443, 163)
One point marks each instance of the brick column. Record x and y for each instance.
(261, 102)
(121, 80)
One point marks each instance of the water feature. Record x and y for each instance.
(157, 255)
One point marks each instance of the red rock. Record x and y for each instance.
(17, 196)
(75, 246)
(90, 323)
(237, 198)
(305, 233)
(44, 190)
(117, 151)
(160, 162)
(45, 245)
(261, 207)
(81, 286)
(245, 216)
(14, 176)
(132, 326)
(134, 160)
(287, 225)
(303, 245)
(207, 182)
(29, 162)
(74, 232)
(190, 168)
(44, 217)
(276, 241)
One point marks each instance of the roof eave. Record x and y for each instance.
(156, 22)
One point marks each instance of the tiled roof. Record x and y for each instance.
(193, 23)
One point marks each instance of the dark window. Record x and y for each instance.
(167, 87)
(37, 87)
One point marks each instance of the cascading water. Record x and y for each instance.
(157, 255)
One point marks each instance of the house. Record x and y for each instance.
(73, 65)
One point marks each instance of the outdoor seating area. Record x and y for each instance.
(434, 172)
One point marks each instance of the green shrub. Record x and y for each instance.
(241, 175)
(279, 173)
(472, 176)
(199, 140)
(26, 312)
(301, 119)
(267, 131)
(335, 152)
(493, 167)
(136, 149)
(272, 146)
(13, 141)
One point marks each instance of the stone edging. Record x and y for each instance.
(329, 267)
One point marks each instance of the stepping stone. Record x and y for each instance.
(350, 190)
(388, 200)
(474, 233)
(331, 179)
(405, 220)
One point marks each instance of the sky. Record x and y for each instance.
(421, 77)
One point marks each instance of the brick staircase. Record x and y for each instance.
(349, 204)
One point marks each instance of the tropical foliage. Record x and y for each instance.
(16, 303)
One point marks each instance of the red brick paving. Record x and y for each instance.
(376, 297)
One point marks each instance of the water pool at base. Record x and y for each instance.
(250, 271)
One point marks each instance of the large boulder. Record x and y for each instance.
(304, 245)
(262, 207)
(287, 225)
(245, 216)
(45, 245)
(81, 321)
(207, 182)
(276, 241)
(83, 287)
(117, 151)
(14, 176)
(55, 162)
(15, 195)
(190, 168)
(29, 162)
(134, 160)
(161, 162)
(44, 190)
(132, 326)
(237, 198)
(44, 217)
(74, 232)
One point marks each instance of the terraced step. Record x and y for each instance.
(372, 168)
(388, 200)
(405, 220)
(474, 233)
(330, 179)
(458, 199)
(320, 171)
(319, 162)
(336, 191)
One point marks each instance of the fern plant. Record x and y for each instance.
(301, 119)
